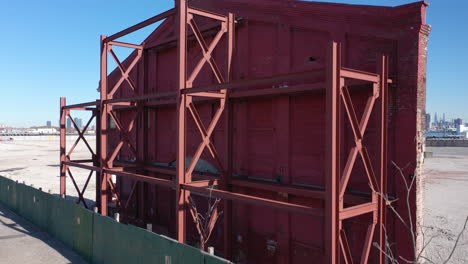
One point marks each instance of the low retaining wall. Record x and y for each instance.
(430, 142)
(98, 239)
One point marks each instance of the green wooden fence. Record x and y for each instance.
(98, 239)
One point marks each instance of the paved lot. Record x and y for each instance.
(446, 203)
(36, 161)
(22, 242)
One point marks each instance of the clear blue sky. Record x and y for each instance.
(51, 49)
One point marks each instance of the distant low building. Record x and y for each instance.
(461, 129)
(42, 130)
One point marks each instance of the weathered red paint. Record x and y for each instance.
(287, 145)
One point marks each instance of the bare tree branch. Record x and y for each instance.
(410, 225)
(205, 222)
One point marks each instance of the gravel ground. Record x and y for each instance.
(36, 159)
(445, 203)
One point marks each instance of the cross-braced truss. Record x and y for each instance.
(66, 157)
(185, 98)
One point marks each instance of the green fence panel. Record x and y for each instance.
(119, 243)
(167, 249)
(210, 259)
(20, 199)
(151, 247)
(189, 255)
(97, 238)
(152, 252)
(4, 189)
(26, 202)
(104, 244)
(61, 220)
(132, 240)
(41, 209)
(83, 225)
(12, 203)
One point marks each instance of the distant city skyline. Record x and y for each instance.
(38, 79)
(431, 117)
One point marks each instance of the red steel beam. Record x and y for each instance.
(126, 45)
(97, 158)
(142, 97)
(347, 256)
(80, 106)
(332, 176)
(384, 71)
(368, 243)
(140, 25)
(104, 129)
(228, 133)
(209, 94)
(209, 30)
(359, 75)
(82, 160)
(293, 89)
(254, 184)
(142, 178)
(259, 81)
(181, 195)
(357, 210)
(63, 145)
(203, 183)
(168, 98)
(362, 75)
(258, 201)
(204, 13)
(83, 166)
(301, 192)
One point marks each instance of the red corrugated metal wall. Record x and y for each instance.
(282, 138)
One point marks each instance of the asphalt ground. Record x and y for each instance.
(23, 242)
(446, 204)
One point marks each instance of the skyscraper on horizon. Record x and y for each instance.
(78, 122)
(428, 121)
(49, 123)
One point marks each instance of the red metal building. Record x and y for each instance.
(295, 112)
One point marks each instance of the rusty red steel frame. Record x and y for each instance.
(66, 157)
(338, 97)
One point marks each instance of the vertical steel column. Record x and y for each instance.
(181, 195)
(97, 157)
(63, 146)
(332, 223)
(383, 64)
(228, 127)
(142, 137)
(104, 128)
